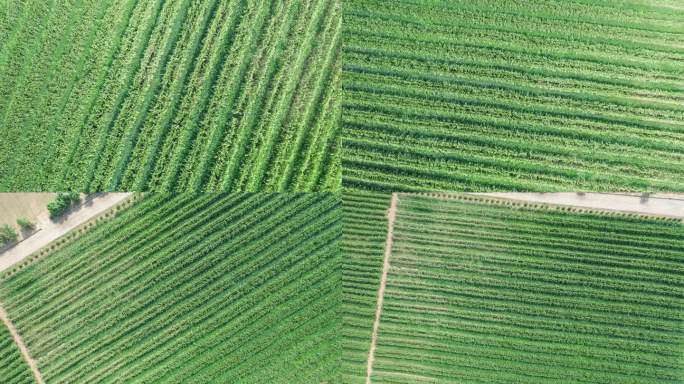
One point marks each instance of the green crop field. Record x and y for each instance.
(211, 95)
(363, 244)
(13, 368)
(209, 288)
(537, 95)
(480, 291)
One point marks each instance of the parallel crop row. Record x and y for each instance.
(480, 95)
(189, 288)
(13, 368)
(363, 244)
(479, 292)
(170, 95)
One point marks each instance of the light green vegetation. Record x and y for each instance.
(210, 288)
(13, 368)
(7, 234)
(484, 292)
(213, 95)
(513, 95)
(25, 224)
(363, 245)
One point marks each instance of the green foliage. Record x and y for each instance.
(511, 95)
(25, 224)
(13, 367)
(7, 234)
(62, 203)
(363, 247)
(490, 291)
(202, 95)
(190, 288)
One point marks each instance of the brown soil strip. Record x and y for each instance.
(22, 347)
(391, 216)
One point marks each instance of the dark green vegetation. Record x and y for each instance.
(363, 246)
(484, 292)
(210, 288)
(513, 95)
(13, 368)
(229, 95)
(62, 203)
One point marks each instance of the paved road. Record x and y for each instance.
(670, 204)
(51, 230)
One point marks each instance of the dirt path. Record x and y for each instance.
(52, 230)
(670, 205)
(22, 347)
(391, 217)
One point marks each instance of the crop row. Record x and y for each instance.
(13, 368)
(189, 288)
(363, 243)
(504, 293)
(202, 95)
(483, 96)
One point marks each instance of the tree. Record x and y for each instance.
(7, 234)
(25, 224)
(62, 203)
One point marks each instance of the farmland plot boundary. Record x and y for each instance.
(391, 217)
(542, 205)
(33, 365)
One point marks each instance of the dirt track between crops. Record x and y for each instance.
(668, 205)
(391, 217)
(53, 230)
(22, 347)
